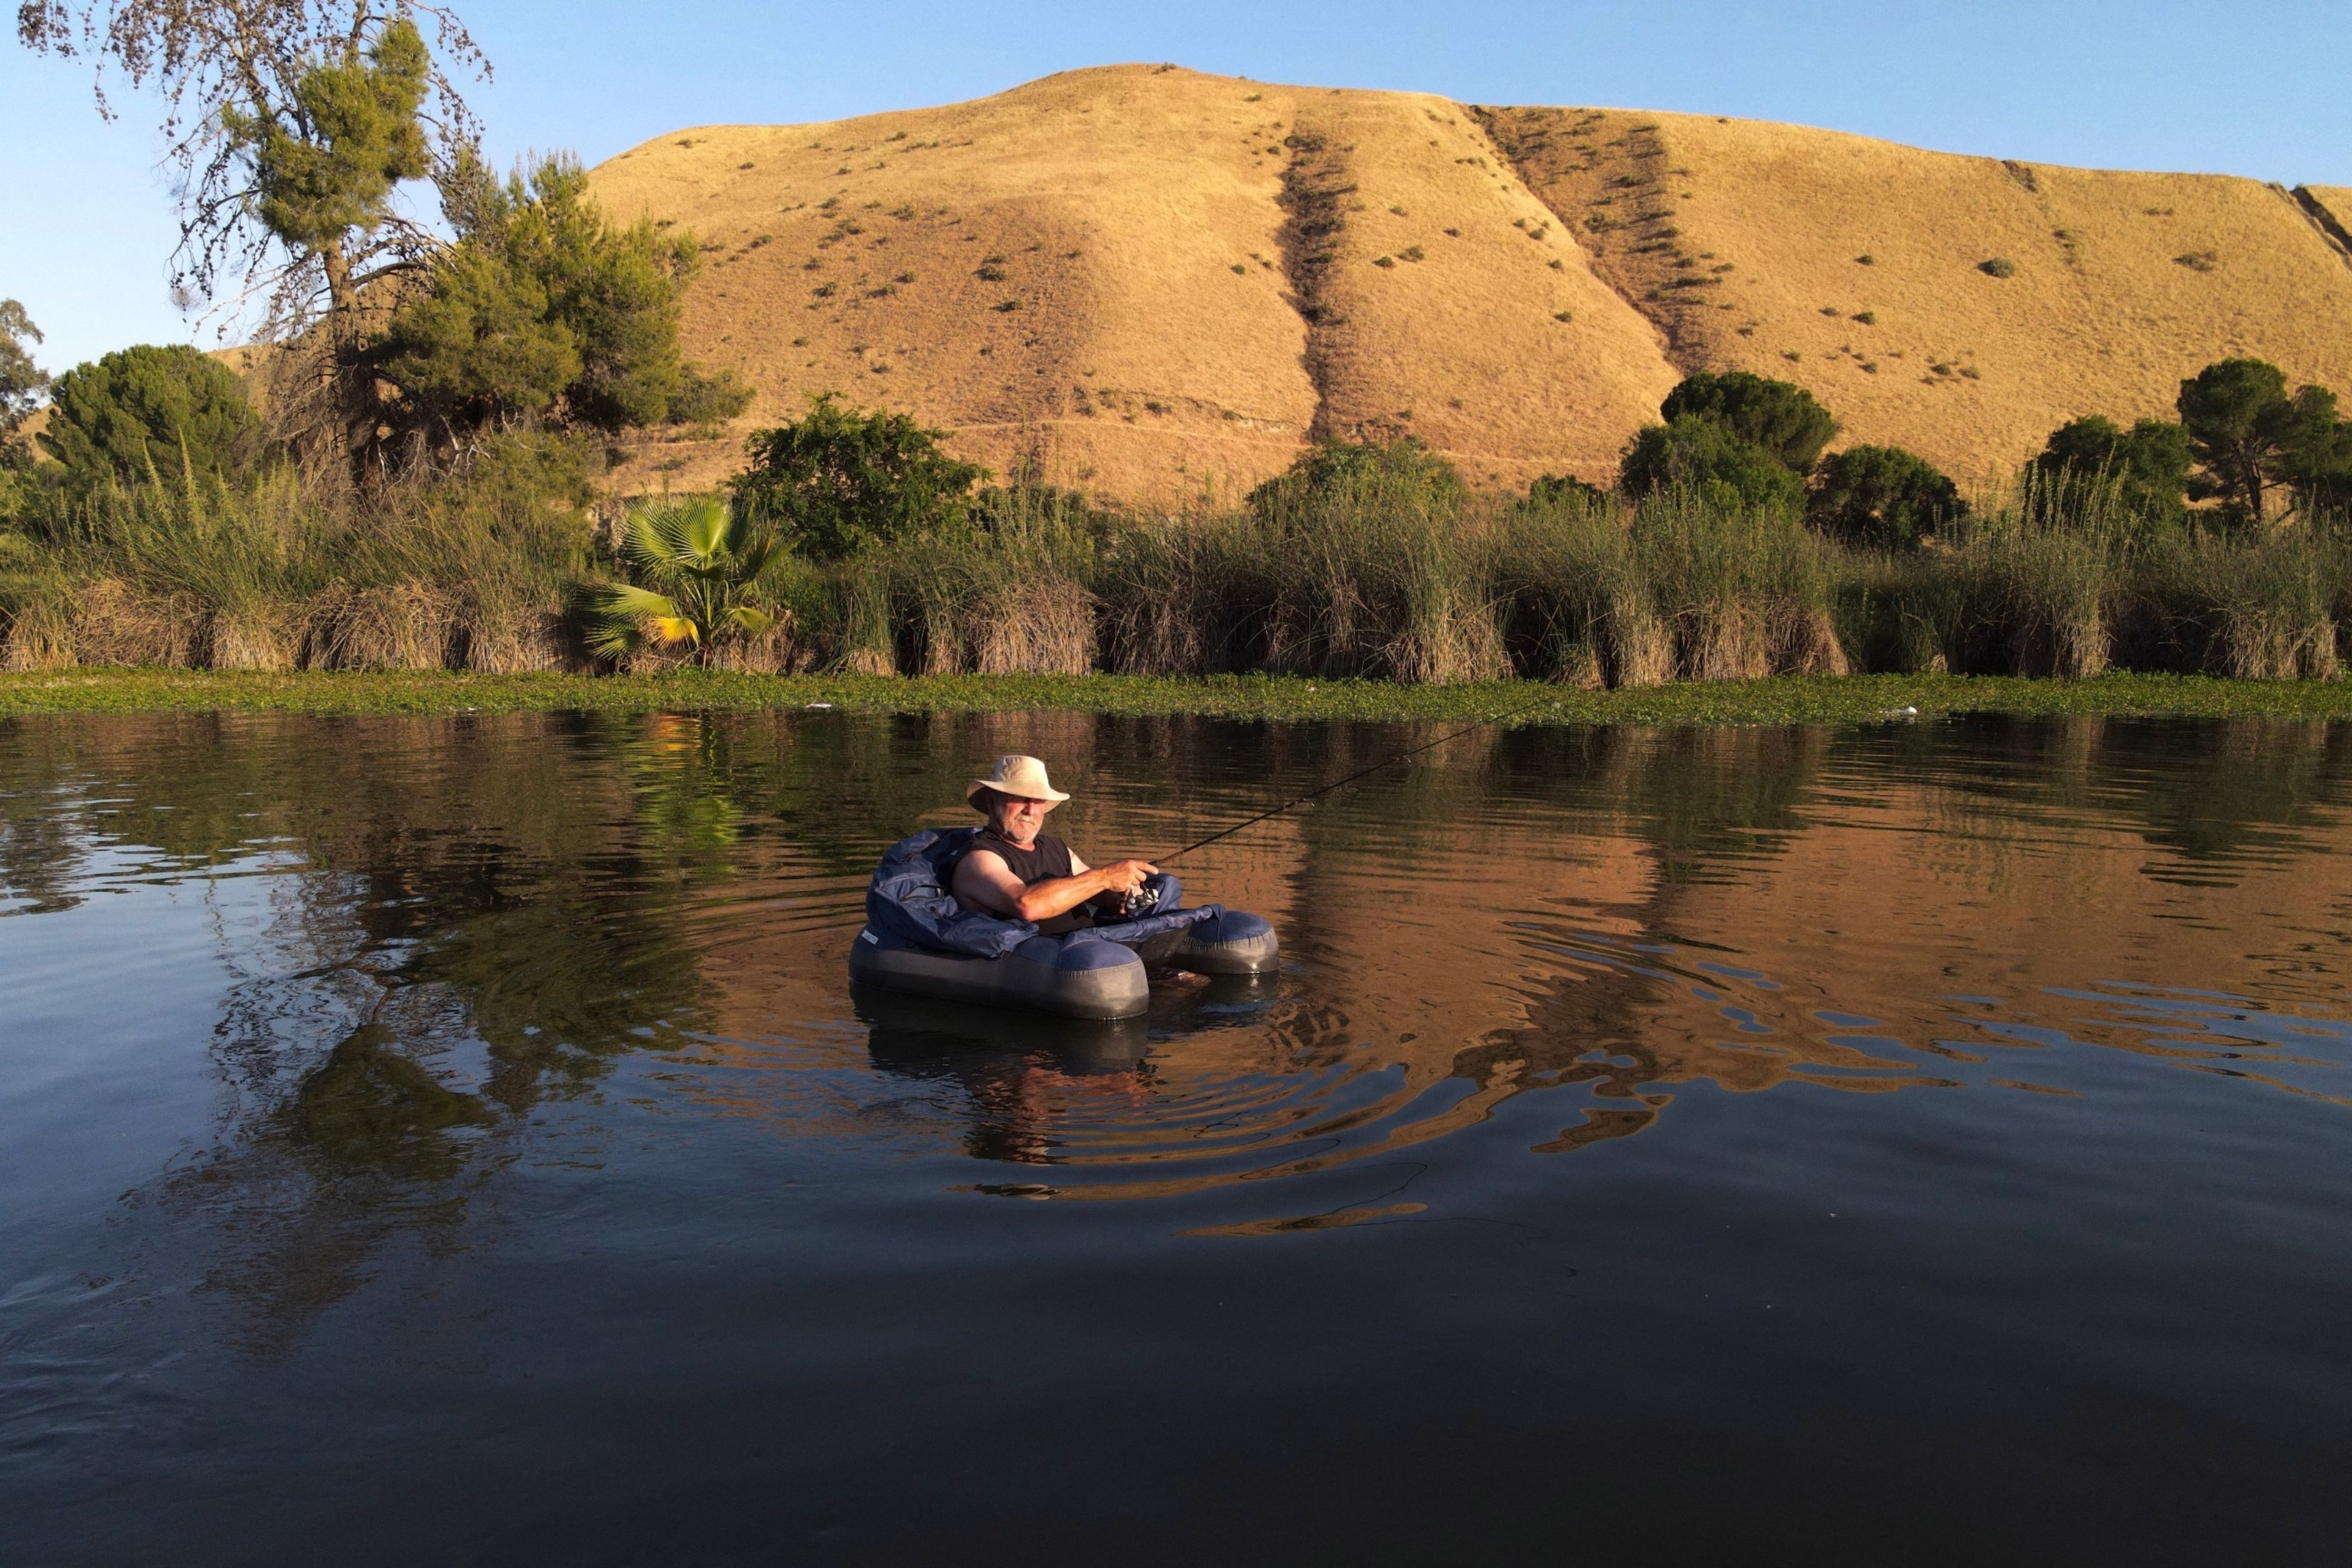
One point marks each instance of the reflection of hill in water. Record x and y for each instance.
(480, 922)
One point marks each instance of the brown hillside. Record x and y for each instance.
(1162, 283)
(1745, 241)
(2331, 207)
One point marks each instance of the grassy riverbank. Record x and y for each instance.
(1780, 700)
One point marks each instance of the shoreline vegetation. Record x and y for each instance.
(406, 481)
(1781, 700)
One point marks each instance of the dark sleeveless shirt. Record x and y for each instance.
(1044, 861)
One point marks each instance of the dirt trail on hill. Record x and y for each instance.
(1158, 285)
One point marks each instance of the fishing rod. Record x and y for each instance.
(1361, 774)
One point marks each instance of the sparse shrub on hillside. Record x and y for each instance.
(1881, 497)
(148, 411)
(704, 399)
(1777, 416)
(842, 478)
(2150, 461)
(1998, 266)
(1702, 455)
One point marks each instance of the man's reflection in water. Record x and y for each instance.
(1025, 1076)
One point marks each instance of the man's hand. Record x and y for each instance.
(1125, 877)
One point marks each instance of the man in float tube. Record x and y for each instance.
(1015, 871)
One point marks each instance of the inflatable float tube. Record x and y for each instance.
(1086, 974)
(918, 940)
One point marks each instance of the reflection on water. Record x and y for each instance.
(471, 916)
(452, 953)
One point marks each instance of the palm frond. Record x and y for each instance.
(627, 599)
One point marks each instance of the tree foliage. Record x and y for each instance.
(541, 307)
(1705, 456)
(1552, 490)
(843, 477)
(698, 566)
(21, 381)
(1777, 416)
(2150, 462)
(2250, 438)
(329, 171)
(166, 410)
(1334, 466)
(1881, 497)
(705, 397)
(286, 124)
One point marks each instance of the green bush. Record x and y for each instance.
(706, 399)
(2250, 438)
(696, 568)
(1777, 416)
(150, 411)
(842, 478)
(1702, 455)
(541, 308)
(1333, 467)
(1881, 497)
(2150, 462)
(1553, 488)
(21, 382)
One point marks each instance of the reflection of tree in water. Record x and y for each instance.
(1710, 808)
(491, 911)
(487, 916)
(1031, 1090)
(2211, 792)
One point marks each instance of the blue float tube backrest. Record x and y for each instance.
(909, 899)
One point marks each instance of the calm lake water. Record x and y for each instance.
(456, 1141)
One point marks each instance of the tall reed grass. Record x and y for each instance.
(1378, 573)
(281, 572)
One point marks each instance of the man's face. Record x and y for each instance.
(1018, 818)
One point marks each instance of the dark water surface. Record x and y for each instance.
(456, 1142)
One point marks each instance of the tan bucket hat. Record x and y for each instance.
(1023, 776)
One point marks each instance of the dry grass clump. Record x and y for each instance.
(2268, 608)
(1391, 569)
(290, 572)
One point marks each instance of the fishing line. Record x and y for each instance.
(1361, 774)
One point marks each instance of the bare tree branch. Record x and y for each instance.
(205, 59)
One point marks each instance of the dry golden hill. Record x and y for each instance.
(1160, 284)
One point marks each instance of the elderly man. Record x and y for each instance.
(1015, 871)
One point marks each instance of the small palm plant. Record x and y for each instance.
(698, 566)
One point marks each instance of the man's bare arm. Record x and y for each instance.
(983, 880)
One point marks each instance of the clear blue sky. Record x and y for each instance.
(2255, 87)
